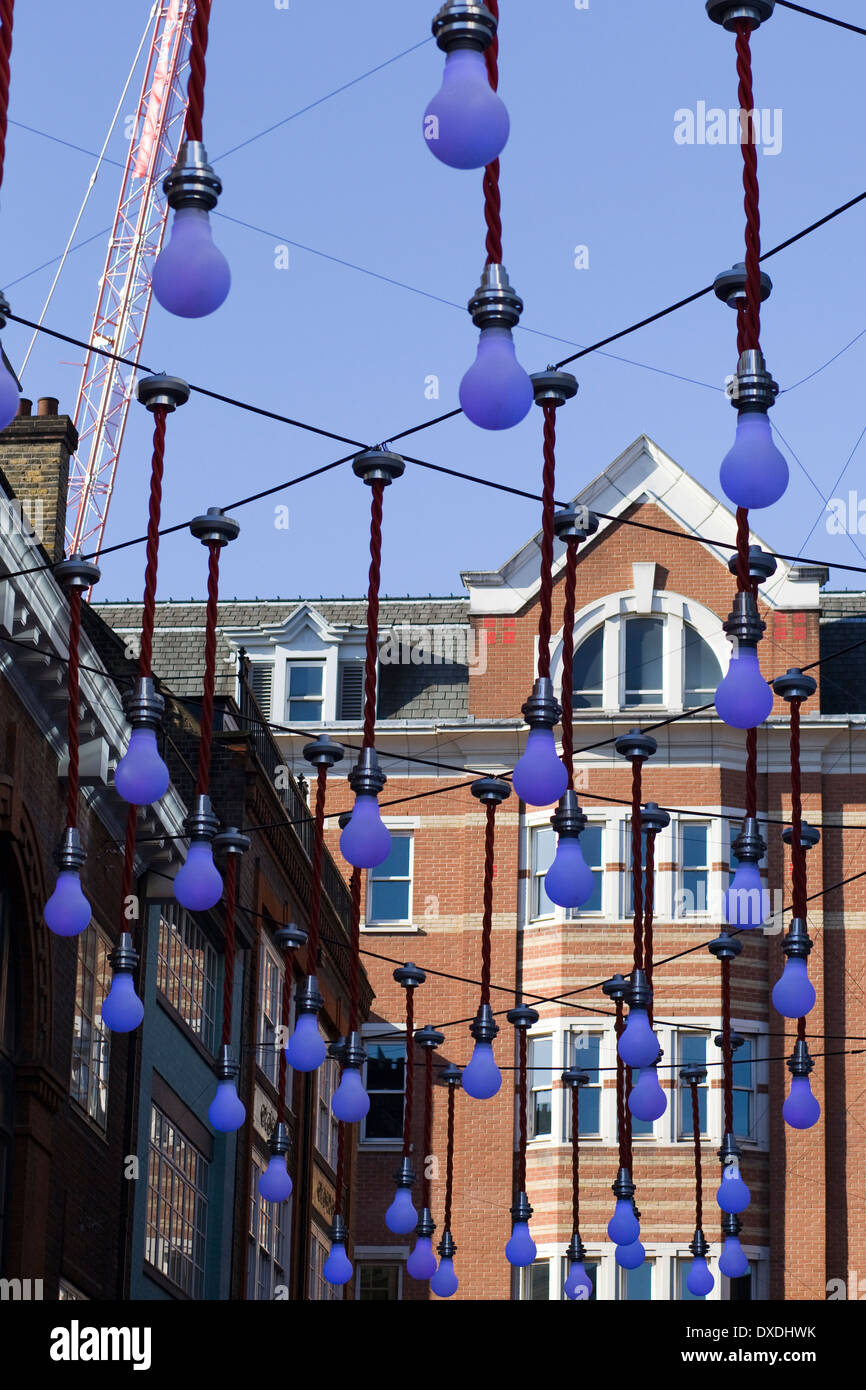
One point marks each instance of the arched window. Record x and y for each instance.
(588, 671)
(702, 670)
(644, 669)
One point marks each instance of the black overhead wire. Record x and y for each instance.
(827, 18)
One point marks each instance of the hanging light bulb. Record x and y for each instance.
(274, 1183)
(569, 881)
(401, 1217)
(732, 1261)
(444, 1282)
(226, 1111)
(141, 776)
(10, 388)
(733, 1195)
(630, 1256)
(794, 993)
(638, 1045)
(466, 123)
(421, 1264)
(198, 884)
(521, 1249)
(540, 777)
(578, 1285)
(753, 472)
(67, 912)
(191, 276)
(122, 1010)
(623, 1227)
(801, 1109)
(699, 1280)
(366, 842)
(338, 1266)
(306, 1049)
(743, 697)
(496, 393)
(647, 1100)
(746, 901)
(350, 1102)
(482, 1077)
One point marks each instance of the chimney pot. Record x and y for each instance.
(47, 405)
(24, 406)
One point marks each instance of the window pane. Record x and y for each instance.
(385, 1066)
(305, 680)
(591, 843)
(743, 1113)
(587, 668)
(742, 1069)
(643, 661)
(683, 1267)
(385, 1117)
(703, 672)
(637, 1283)
(309, 710)
(544, 845)
(389, 902)
(541, 1061)
(542, 1109)
(536, 1281)
(592, 1271)
(693, 845)
(639, 1127)
(378, 1283)
(589, 1112)
(397, 863)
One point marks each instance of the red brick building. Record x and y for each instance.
(649, 642)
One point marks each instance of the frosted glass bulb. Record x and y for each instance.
(226, 1111)
(793, 992)
(521, 1249)
(732, 1260)
(466, 123)
(401, 1217)
(197, 884)
(647, 1100)
(699, 1280)
(746, 902)
(445, 1282)
(421, 1264)
(191, 276)
(638, 1045)
(753, 472)
(141, 776)
(540, 776)
(801, 1110)
(350, 1102)
(482, 1077)
(623, 1228)
(67, 912)
(122, 1010)
(365, 842)
(496, 392)
(338, 1266)
(743, 697)
(275, 1185)
(733, 1195)
(9, 396)
(569, 881)
(306, 1050)
(630, 1256)
(578, 1285)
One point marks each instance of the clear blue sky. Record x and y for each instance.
(592, 160)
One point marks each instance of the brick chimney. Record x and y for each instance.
(34, 458)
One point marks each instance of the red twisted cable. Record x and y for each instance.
(751, 772)
(744, 579)
(372, 648)
(696, 1131)
(355, 959)
(801, 1029)
(492, 200)
(195, 86)
(229, 970)
(410, 1069)
(799, 891)
(621, 1131)
(636, 856)
(748, 144)
(449, 1161)
(285, 1015)
(522, 1110)
(428, 1121)
(548, 506)
(72, 707)
(7, 8)
(648, 907)
(568, 659)
(157, 467)
(318, 854)
(210, 650)
(575, 1158)
(727, 1050)
(487, 921)
(128, 863)
(341, 1163)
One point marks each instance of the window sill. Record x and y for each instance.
(393, 929)
(380, 1145)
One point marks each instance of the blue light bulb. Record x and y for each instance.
(350, 1102)
(647, 1100)
(421, 1264)
(482, 1077)
(122, 1010)
(9, 396)
(699, 1280)
(743, 697)
(630, 1256)
(226, 1111)
(578, 1285)
(365, 842)
(67, 912)
(746, 902)
(623, 1228)
(191, 276)
(638, 1045)
(569, 882)
(496, 392)
(801, 1110)
(445, 1282)
(793, 992)
(401, 1217)
(338, 1266)
(732, 1260)
(466, 124)
(540, 777)
(733, 1195)
(521, 1250)
(306, 1049)
(753, 472)
(141, 776)
(197, 884)
(275, 1185)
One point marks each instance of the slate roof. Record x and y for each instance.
(843, 682)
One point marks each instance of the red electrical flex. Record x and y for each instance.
(7, 8)
(195, 86)
(449, 1160)
(316, 882)
(636, 857)
(231, 882)
(568, 658)
(210, 650)
(428, 1122)
(72, 709)
(648, 907)
(696, 1131)
(750, 321)
(487, 922)
(575, 1158)
(410, 1069)
(548, 505)
(727, 1050)
(492, 200)
(371, 663)
(522, 1110)
(153, 518)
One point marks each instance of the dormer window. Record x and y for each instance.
(305, 681)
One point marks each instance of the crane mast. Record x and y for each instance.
(124, 295)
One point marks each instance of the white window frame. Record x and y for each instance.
(541, 1035)
(327, 1080)
(714, 888)
(98, 1058)
(296, 664)
(622, 624)
(540, 820)
(380, 1255)
(280, 1243)
(665, 1257)
(398, 825)
(270, 956)
(404, 832)
(683, 1129)
(320, 1291)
